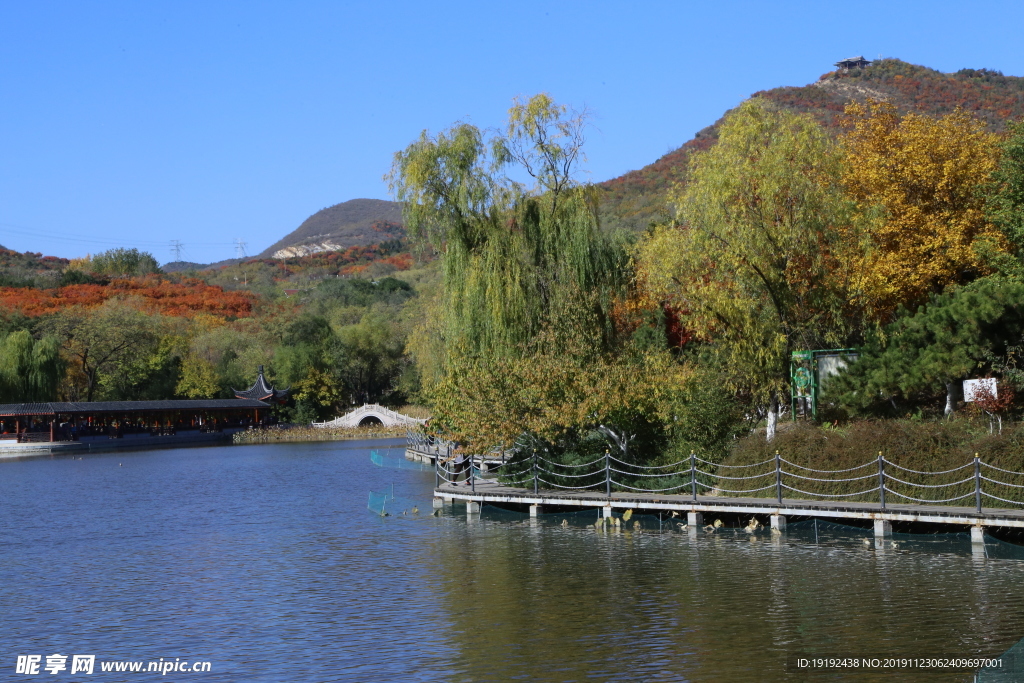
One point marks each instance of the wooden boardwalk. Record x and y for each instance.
(489, 491)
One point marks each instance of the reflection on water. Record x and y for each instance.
(265, 561)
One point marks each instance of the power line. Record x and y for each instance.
(30, 232)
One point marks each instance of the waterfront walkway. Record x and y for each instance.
(697, 511)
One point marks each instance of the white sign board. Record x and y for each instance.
(976, 389)
(831, 364)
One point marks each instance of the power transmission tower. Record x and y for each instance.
(240, 248)
(176, 247)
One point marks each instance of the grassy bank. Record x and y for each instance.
(307, 433)
(925, 446)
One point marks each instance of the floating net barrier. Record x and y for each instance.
(387, 504)
(628, 520)
(395, 462)
(577, 518)
(1010, 667)
(377, 503)
(998, 549)
(952, 542)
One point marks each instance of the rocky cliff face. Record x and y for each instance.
(309, 248)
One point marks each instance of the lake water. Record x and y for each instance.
(264, 561)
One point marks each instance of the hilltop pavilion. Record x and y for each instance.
(852, 63)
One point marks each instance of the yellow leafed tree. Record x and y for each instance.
(759, 263)
(917, 179)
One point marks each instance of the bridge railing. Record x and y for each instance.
(364, 410)
(879, 480)
(418, 441)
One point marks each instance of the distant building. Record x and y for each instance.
(852, 63)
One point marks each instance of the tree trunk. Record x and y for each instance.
(951, 396)
(773, 416)
(621, 440)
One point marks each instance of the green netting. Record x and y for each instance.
(996, 549)
(586, 517)
(580, 518)
(958, 542)
(1010, 669)
(386, 504)
(396, 463)
(378, 502)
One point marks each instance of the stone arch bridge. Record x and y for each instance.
(370, 413)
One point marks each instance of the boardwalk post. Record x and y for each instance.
(535, 470)
(778, 478)
(693, 474)
(607, 474)
(977, 482)
(472, 475)
(437, 471)
(881, 479)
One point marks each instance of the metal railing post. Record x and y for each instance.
(693, 475)
(778, 478)
(607, 474)
(437, 471)
(881, 479)
(534, 470)
(977, 482)
(472, 475)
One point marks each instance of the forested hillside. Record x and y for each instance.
(637, 198)
(357, 222)
(112, 326)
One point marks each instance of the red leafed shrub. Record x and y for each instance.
(185, 299)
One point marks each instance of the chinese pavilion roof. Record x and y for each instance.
(853, 61)
(261, 390)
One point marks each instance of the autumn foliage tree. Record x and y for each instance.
(760, 257)
(558, 391)
(916, 180)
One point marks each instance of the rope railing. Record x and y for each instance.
(930, 500)
(907, 469)
(811, 469)
(697, 477)
(998, 469)
(800, 476)
(756, 464)
(929, 486)
(648, 467)
(832, 495)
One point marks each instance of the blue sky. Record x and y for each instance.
(134, 124)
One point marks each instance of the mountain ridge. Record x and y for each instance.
(637, 198)
(356, 222)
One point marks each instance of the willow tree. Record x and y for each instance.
(518, 231)
(30, 369)
(759, 256)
